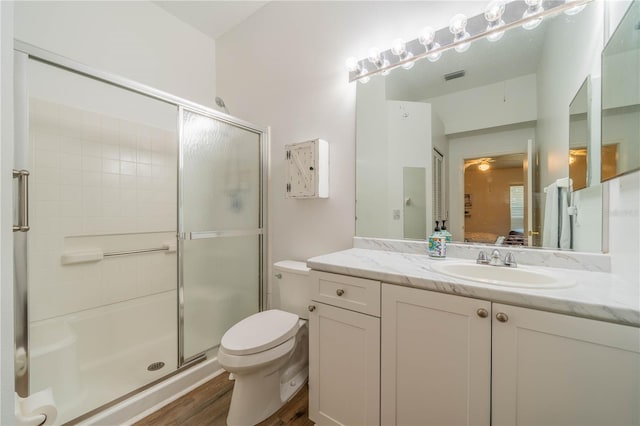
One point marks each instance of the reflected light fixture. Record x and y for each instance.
(377, 59)
(574, 10)
(399, 48)
(427, 38)
(484, 166)
(493, 15)
(498, 15)
(458, 27)
(534, 7)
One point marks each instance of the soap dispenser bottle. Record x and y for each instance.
(437, 243)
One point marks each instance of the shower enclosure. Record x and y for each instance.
(139, 232)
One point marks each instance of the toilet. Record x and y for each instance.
(268, 353)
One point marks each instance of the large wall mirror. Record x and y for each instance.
(481, 139)
(579, 136)
(621, 97)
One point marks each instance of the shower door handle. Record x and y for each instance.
(23, 200)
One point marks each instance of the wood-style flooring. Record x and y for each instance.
(209, 405)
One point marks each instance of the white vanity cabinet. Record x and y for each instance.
(442, 360)
(436, 358)
(344, 350)
(551, 369)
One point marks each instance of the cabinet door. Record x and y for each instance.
(436, 358)
(552, 369)
(344, 367)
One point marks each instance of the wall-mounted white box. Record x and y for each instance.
(308, 169)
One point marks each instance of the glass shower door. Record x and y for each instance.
(101, 260)
(220, 229)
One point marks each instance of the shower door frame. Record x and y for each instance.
(25, 51)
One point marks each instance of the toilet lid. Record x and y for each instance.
(260, 332)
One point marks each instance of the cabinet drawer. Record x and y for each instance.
(357, 294)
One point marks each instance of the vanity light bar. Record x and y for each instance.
(404, 54)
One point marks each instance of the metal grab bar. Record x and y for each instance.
(127, 252)
(96, 255)
(23, 202)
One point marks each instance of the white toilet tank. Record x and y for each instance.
(292, 277)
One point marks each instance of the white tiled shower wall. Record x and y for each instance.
(98, 182)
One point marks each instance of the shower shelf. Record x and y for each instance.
(96, 255)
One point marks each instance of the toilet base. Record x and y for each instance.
(254, 399)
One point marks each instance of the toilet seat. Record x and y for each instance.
(260, 332)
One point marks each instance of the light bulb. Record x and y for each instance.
(497, 35)
(410, 64)
(374, 55)
(378, 59)
(457, 26)
(574, 10)
(484, 166)
(352, 64)
(398, 47)
(461, 48)
(434, 56)
(493, 14)
(427, 38)
(534, 8)
(364, 79)
(494, 11)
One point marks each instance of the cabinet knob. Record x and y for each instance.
(278, 276)
(482, 313)
(311, 308)
(502, 317)
(339, 292)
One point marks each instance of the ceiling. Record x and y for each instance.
(517, 54)
(212, 18)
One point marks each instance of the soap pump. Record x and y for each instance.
(444, 231)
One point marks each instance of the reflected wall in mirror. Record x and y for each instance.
(579, 136)
(511, 98)
(621, 97)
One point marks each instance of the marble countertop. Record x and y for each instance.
(596, 295)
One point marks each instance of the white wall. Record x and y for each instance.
(134, 39)
(284, 67)
(624, 200)
(371, 168)
(498, 104)
(587, 225)
(408, 145)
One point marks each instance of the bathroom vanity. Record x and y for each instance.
(394, 342)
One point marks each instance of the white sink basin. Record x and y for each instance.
(522, 277)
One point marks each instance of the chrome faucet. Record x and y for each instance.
(482, 258)
(496, 260)
(510, 260)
